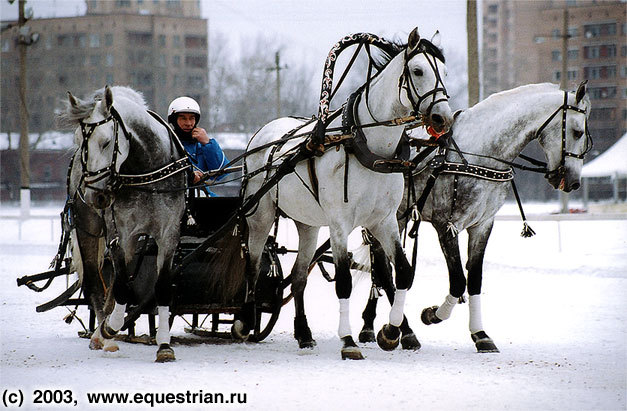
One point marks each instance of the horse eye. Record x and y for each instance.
(418, 72)
(577, 134)
(105, 144)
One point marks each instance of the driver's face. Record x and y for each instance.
(186, 121)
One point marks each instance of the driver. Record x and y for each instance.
(204, 152)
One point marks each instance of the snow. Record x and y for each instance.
(558, 317)
(610, 163)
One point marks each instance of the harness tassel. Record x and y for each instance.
(527, 231)
(452, 229)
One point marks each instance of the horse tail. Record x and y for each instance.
(226, 266)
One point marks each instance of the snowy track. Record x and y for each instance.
(559, 319)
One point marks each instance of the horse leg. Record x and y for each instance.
(477, 242)
(85, 253)
(382, 277)
(307, 237)
(457, 282)
(389, 336)
(163, 295)
(259, 225)
(343, 289)
(112, 324)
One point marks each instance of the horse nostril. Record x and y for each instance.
(575, 186)
(437, 119)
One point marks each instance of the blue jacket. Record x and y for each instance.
(206, 157)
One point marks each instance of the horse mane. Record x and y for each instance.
(393, 48)
(70, 116)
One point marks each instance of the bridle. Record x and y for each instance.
(91, 177)
(406, 83)
(560, 170)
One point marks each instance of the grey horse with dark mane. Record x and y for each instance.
(476, 181)
(127, 181)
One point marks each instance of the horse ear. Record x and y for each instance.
(73, 101)
(412, 41)
(581, 91)
(436, 39)
(108, 99)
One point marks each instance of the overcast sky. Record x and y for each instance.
(311, 27)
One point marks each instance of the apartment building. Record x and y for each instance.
(158, 47)
(522, 43)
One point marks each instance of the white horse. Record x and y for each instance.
(128, 170)
(349, 194)
(490, 135)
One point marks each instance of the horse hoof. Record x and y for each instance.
(96, 343)
(110, 346)
(483, 342)
(307, 344)
(366, 335)
(410, 342)
(165, 353)
(239, 331)
(388, 337)
(428, 316)
(350, 351)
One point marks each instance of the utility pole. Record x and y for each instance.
(277, 67)
(473, 52)
(564, 86)
(24, 153)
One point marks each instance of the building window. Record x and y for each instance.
(176, 40)
(493, 8)
(196, 61)
(6, 45)
(623, 71)
(623, 51)
(591, 52)
(556, 55)
(195, 42)
(598, 30)
(176, 61)
(109, 78)
(573, 54)
(80, 40)
(602, 93)
(94, 40)
(108, 39)
(599, 72)
(604, 113)
(573, 32)
(557, 76)
(195, 81)
(572, 74)
(122, 3)
(162, 60)
(94, 60)
(109, 60)
(139, 38)
(555, 33)
(162, 40)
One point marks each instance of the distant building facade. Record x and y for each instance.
(522, 43)
(158, 47)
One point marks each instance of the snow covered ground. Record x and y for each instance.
(558, 317)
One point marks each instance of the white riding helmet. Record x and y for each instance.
(183, 105)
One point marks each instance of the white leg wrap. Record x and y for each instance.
(474, 305)
(116, 319)
(344, 329)
(163, 332)
(445, 310)
(396, 313)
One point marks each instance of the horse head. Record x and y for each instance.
(103, 146)
(424, 90)
(565, 140)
